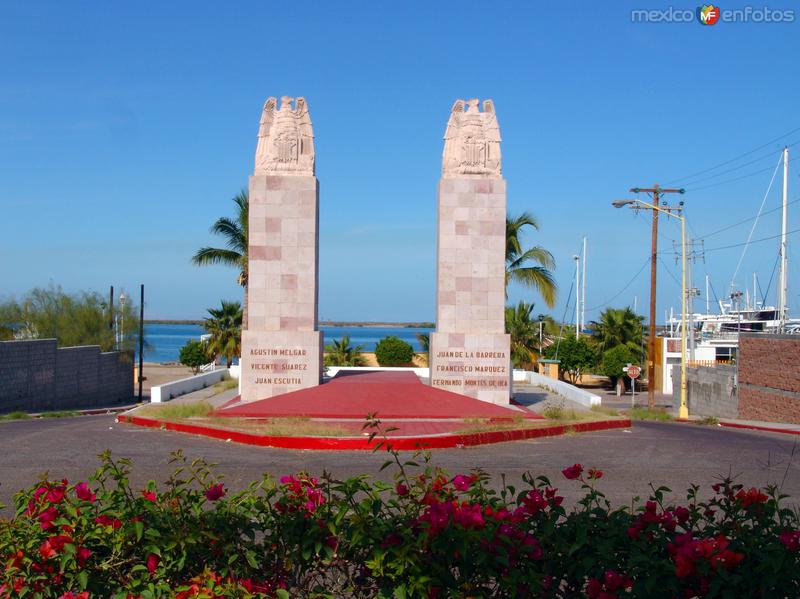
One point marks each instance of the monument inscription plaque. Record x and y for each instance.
(470, 351)
(282, 348)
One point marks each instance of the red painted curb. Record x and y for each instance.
(755, 427)
(400, 443)
(752, 427)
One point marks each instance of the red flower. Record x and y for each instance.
(595, 473)
(751, 497)
(215, 492)
(149, 495)
(683, 566)
(84, 493)
(56, 494)
(462, 482)
(106, 520)
(46, 518)
(573, 471)
(82, 554)
(46, 550)
(71, 595)
(401, 489)
(152, 562)
(726, 559)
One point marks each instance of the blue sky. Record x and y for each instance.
(126, 129)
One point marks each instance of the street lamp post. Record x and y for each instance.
(683, 411)
(122, 299)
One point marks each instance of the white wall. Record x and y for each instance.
(561, 388)
(171, 390)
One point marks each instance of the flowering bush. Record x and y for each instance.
(428, 534)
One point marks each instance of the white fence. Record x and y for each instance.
(561, 388)
(171, 390)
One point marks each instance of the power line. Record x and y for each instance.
(734, 179)
(716, 166)
(736, 168)
(747, 220)
(736, 245)
(621, 291)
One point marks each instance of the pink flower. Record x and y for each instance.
(462, 482)
(573, 471)
(149, 495)
(84, 493)
(790, 539)
(152, 562)
(215, 492)
(71, 595)
(401, 489)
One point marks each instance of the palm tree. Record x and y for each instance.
(225, 326)
(619, 326)
(424, 342)
(530, 267)
(234, 231)
(340, 353)
(524, 333)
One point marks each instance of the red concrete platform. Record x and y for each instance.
(392, 394)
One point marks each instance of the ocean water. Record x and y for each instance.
(164, 341)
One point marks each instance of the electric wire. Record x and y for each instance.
(621, 291)
(747, 220)
(733, 180)
(725, 163)
(736, 168)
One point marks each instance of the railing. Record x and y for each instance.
(709, 363)
(210, 367)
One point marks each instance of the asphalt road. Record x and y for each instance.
(665, 453)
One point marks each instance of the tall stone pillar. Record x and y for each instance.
(470, 351)
(282, 348)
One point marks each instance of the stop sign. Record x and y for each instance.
(634, 371)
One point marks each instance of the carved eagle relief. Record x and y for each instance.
(472, 140)
(285, 138)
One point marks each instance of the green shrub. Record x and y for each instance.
(614, 360)
(430, 534)
(393, 351)
(194, 355)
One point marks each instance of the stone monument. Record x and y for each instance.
(282, 348)
(470, 351)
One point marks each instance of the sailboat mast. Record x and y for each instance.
(783, 287)
(583, 287)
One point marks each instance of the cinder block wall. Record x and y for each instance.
(769, 377)
(710, 391)
(37, 376)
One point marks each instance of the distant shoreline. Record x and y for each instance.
(327, 323)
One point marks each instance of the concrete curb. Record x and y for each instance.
(363, 444)
(752, 427)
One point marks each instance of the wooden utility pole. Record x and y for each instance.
(656, 193)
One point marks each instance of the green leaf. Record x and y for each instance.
(139, 527)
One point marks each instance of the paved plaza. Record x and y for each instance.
(671, 454)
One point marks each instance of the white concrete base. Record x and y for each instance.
(173, 389)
